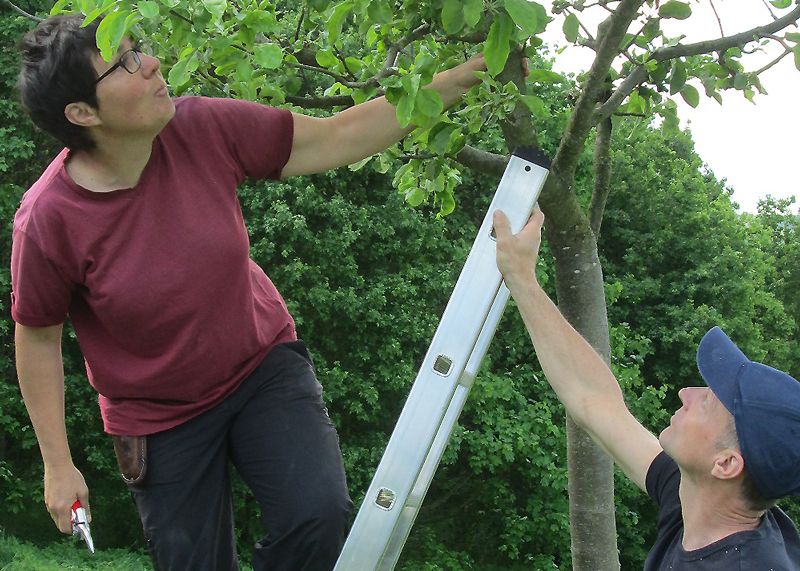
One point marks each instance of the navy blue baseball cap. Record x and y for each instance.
(765, 404)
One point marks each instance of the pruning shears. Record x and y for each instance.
(80, 525)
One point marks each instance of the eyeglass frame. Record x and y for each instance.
(136, 51)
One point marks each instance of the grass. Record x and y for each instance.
(70, 554)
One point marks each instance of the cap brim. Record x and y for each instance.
(720, 361)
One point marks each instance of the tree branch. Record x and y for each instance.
(181, 17)
(719, 20)
(602, 175)
(610, 34)
(482, 161)
(769, 8)
(20, 11)
(321, 102)
(773, 62)
(639, 74)
(338, 77)
(307, 61)
(395, 49)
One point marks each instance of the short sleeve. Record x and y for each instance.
(259, 137)
(40, 291)
(663, 480)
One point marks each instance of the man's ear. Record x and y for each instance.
(728, 464)
(82, 114)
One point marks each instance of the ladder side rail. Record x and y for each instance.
(414, 502)
(431, 394)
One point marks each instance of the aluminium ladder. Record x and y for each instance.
(440, 390)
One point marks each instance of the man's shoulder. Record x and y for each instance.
(778, 544)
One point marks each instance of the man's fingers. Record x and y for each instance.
(502, 227)
(535, 222)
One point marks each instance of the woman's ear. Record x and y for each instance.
(82, 114)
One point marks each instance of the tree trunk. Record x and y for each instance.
(581, 298)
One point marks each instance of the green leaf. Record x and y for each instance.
(544, 76)
(269, 56)
(58, 7)
(182, 70)
(97, 12)
(110, 32)
(415, 197)
(439, 137)
(571, 27)
(353, 64)
(671, 124)
(637, 103)
(319, 5)
(797, 56)
(535, 105)
(530, 16)
(473, 10)
(497, 46)
(379, 11)
(781, 3)
(690, 95)
(325, 58)
(675, 9)
(405, 106)
(215, 7)
(429, 103)
(448, 203)
(740, 81)
(148, 9)
(678, 78)
(792, 37)
(452, 16)
(626, 41)
(425, 65)
(336, 20)
(260, 21)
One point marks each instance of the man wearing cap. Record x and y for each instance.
(729, 453)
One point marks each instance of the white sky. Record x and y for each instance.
(754, 147)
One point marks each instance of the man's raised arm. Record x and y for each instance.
(580, 378)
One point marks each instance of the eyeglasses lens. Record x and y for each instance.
(131, 61)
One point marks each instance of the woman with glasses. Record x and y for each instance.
(135, 233)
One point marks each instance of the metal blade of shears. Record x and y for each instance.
(80, 525)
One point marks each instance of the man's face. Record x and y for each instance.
(697, 429)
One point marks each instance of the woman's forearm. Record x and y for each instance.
(41, 379)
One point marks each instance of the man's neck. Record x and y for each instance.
(712, 513)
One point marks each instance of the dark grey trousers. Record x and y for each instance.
(275, 430)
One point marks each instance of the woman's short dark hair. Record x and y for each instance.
(57, 70)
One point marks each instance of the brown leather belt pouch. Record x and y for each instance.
(131, 454)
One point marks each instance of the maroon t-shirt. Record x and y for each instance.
(170, 312)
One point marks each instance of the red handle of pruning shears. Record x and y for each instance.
(80, 524)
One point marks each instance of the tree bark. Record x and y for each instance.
(581, 298)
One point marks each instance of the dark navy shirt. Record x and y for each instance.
(773, 546)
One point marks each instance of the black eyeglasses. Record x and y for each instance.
(130, 61)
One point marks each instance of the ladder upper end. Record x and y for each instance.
(533, 155)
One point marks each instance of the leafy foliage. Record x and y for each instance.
(367, 278)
